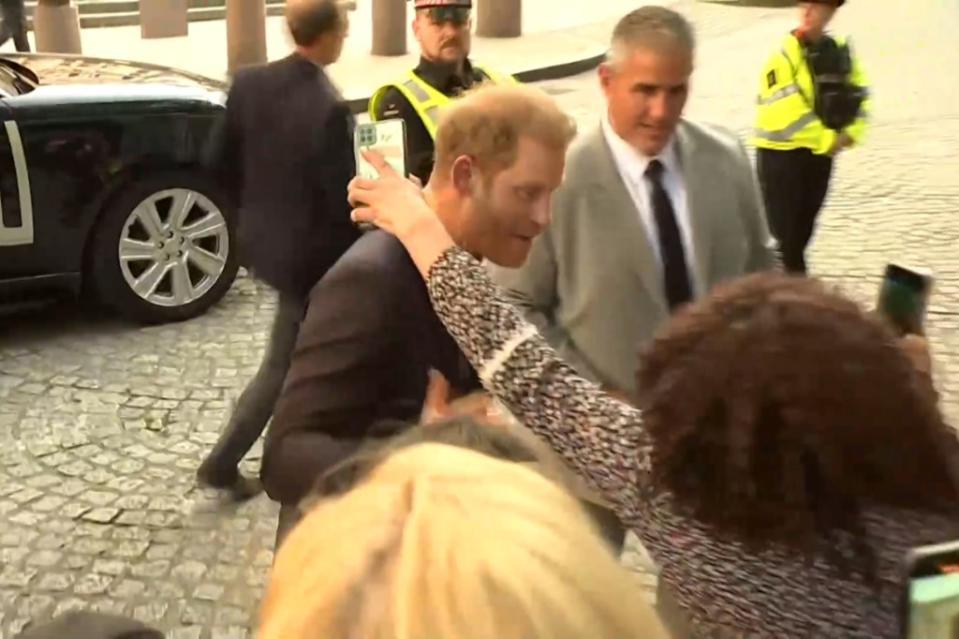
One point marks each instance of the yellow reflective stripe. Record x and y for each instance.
(778, 95)
(375, 101)
(496, 77)
(418, 92)
(787, 132)
(425, 99)
(433, 113)
(788, 57)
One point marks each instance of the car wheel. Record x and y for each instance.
(163, 250)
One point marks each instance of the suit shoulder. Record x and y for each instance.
(713, 136)
(239, 82)
(581, 157)
(253, 81)
(376, 257)
(253, 73)
(381, 249)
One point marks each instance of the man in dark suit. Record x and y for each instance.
(362, 360)
(285, 153)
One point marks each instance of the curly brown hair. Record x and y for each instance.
(778, 409)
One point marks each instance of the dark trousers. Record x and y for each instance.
(289, 516)
(14, 24)
(794, 185)
(292, 466)
(255, 406)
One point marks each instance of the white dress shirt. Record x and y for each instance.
(631, 165)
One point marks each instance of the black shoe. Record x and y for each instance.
(238, 485)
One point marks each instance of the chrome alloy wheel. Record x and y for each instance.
(173, 247)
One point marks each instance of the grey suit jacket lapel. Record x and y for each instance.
(610, 196)
(695, 168)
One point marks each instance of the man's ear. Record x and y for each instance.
(462, 174)
(605, 73)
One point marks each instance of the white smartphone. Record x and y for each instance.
(388, 138)
(930, 603)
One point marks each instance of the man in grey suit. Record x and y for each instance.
(653, 212)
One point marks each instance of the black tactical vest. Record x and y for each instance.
(837, 100)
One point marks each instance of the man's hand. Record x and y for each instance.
(392, 202)
(442, 402)
(843, 141)
(436, 406)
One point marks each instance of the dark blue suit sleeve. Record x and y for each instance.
(223, 153)
(337, 166)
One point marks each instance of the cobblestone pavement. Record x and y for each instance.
(103, 424)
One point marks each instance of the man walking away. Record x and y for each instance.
(285, 153)
(812, 106)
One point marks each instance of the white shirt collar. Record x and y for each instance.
(631, 162)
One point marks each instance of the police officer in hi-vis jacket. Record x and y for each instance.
(812, 105)
(442, 28)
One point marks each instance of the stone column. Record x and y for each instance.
(499, 18)
(163, 18)
(245, 33)
(56, 27)
(389, 27)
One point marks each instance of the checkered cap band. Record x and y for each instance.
(427, 4)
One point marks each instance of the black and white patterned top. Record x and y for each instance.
(720, 585)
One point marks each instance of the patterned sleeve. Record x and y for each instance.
(599, 436)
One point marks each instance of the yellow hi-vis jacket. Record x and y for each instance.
(426, 100)
(785, 117)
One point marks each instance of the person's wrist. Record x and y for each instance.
(426, 239)
(416, 224)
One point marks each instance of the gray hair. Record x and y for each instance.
(651, 26)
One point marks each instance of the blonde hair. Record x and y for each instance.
(488, 121)
(440, 542)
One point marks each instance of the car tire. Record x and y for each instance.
(163, 249)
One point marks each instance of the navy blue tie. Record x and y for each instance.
(675, 272)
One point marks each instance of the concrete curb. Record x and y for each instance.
(552, 71)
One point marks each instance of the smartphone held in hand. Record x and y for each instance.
(386, 137)
(930, 603)
(904, 296)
